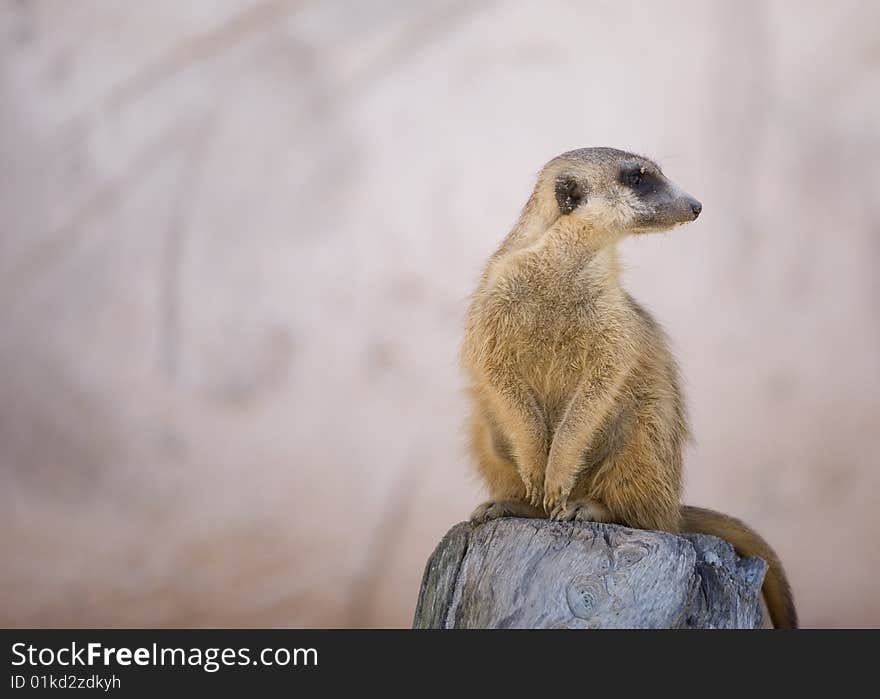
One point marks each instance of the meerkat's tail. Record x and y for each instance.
(776, 591)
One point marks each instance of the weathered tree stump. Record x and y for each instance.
(535, 573)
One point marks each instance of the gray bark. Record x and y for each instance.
(535, 573)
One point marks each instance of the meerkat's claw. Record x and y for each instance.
(494, 509)
(561, 513)
(582, 511)
(484, 512)
(556, 494)
(534, 492)
(554, 503)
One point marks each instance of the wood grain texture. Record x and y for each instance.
(531, 573)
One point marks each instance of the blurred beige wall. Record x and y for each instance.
(236, 244)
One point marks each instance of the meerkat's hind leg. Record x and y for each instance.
(493, 509)
(581, 510)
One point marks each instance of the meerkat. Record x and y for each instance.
(577, 412)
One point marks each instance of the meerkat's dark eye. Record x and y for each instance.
(639, 180)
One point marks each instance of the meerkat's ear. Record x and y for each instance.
(569, 193)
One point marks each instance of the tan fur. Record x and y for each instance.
(576, 406)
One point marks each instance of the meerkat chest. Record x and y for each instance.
(544, 322)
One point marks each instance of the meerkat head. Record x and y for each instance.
(615, 191)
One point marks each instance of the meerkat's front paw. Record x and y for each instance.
(534, 489)
(493, 509)
(555, 496)
(581, 511)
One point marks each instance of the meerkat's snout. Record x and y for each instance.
(663, 208)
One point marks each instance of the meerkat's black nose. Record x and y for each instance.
(696, 207)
